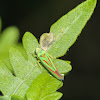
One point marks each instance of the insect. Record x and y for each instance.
(46, 61)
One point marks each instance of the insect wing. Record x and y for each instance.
(50, 66)
(46, 61)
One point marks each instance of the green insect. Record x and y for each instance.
(47, 62)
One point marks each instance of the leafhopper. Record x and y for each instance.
(46, 60)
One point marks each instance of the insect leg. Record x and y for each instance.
(51, 56)
(34, 55)
(39, 64)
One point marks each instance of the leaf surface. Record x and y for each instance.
(9, 38)
(69, 26)
(44, 88)
(25, 72)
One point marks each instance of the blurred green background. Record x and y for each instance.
(36, 16)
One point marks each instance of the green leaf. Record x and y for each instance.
(7, 81)
(67, 28)
(53, 96)
(30, 43)
(62, 66)
(44, 88)
(25, 72)
(21, 49)
(22, 67)
(3, 98)
(14, 97)
(8, 38)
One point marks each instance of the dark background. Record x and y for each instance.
(36, 16)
